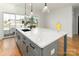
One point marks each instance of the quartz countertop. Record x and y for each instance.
(42, 36)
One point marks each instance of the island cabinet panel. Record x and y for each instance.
(51, 49)
(30, 47)
(22, 45)
(33, 49)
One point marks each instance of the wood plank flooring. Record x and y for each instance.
(8, 47)
(72, 46)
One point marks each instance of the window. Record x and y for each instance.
(9, 21)
(19, 19)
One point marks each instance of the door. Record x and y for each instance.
(78, 25)
(1, 26)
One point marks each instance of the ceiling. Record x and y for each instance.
(50, 5)
(37, 6)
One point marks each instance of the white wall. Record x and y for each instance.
(42, 18)
(62, 15)
(12, 8)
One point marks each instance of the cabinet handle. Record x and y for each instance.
(27, 49)
(32, 46)
(24, 42)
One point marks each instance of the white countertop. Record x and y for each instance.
(43, 37)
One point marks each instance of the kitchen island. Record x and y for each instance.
(39, 41)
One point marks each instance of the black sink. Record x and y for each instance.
(26, 30)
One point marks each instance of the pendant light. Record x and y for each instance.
(26, 16)
(45, 9)
(31, 9)
(25, 11)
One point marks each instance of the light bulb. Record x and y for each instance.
(45, 9)
(31, 13)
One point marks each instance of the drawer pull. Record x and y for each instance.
(32, 46)
(24, 42)
(27, 49)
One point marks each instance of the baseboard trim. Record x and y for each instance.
(9, 37)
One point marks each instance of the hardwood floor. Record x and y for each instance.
(8, 47)
(72, 46)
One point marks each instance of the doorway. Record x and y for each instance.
(78, 25)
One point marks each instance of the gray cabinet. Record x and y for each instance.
(34, 50)
(24, 48)
(21, 43)
(50, 50)
(29, 48)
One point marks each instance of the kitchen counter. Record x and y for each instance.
(44, 40)
(42, 37)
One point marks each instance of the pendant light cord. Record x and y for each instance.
(25, 11)
(25, 8)
(31, 8)
(45, 4)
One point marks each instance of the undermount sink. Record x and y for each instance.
(26, 30)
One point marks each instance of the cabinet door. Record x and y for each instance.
(19, 43)
(51, 49)
(24, 48)
(30, 51)
(34, 50)
(25, 43)
(18, 40)
(26, 40)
